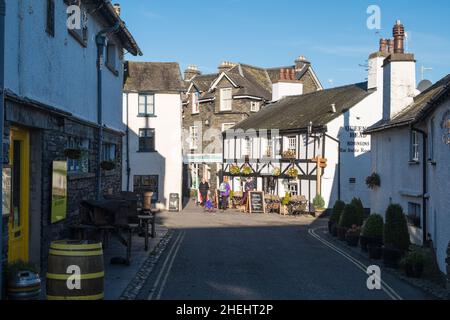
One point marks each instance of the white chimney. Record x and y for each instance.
(399, 77)
(287, 85)
(375, 77)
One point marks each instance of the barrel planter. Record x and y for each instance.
(66, 256)
(24, 285)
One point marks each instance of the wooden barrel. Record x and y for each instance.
(83, 256)
(24, 285)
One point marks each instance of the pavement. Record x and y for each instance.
(239, 256)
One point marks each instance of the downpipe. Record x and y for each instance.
(2, 113)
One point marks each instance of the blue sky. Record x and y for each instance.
(332, 34)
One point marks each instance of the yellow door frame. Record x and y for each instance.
(18, 247)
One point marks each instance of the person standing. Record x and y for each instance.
(203, 189)
(224, 190)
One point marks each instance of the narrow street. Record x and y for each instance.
(238, 256)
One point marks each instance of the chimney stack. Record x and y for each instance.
(300, 62)
(191, 72)
(225, 66)
(399, 37)
(117, 8)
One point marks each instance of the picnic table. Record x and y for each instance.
(115, 217)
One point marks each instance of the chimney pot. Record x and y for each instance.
(399, 37)
(383, 45)
(117, 8)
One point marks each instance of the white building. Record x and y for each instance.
(52, 85)
(411, 153)
(152, 152)
(328, 124)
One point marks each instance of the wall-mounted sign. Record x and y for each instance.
(203, 158)
(59, 191)
(7, 191)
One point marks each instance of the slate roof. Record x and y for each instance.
(251, 80)
(153, 77)
(422, 105)
(296, 112)
(106, 9)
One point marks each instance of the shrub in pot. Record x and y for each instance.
(347, 220)
(352, 236)
(396, 236)
(336, 215)
(319, 205)
(357, 203)
(372, 232)
(413, 264)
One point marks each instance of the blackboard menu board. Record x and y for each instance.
(256, 202)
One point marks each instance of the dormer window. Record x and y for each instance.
(255, 106)
(226, 99)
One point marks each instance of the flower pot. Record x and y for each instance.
(107, 165)
(375, 252)
(364, 241)
(414, 270)
(341, 233)
(352, 240)
(391, 257)
(318, 212)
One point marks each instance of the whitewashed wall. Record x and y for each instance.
(167, 160)
(57, 71)
(439, 187)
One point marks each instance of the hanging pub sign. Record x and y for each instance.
(7, 191)
(256, 202)
(59, 191)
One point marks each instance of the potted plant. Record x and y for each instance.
(352, 236)
(357, 203)
(108, 165)
(234, 170)
(319, 205)
(373, 181)
(285, 202)
(23, 281)
(396, 236)
(413, 263)
(348, 219)
(335, 216)
(372, 234)
(247, 170)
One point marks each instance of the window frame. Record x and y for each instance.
(193, 137)
(195, 102)
(109, 152)
(295, 147)
(146, 105)
(431, 147)
(151, 136)
(414, 147)
(253, 104)
(80, 35)
(81, 165)
(229, 100)
(112, 65)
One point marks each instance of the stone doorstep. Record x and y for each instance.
(425, 285)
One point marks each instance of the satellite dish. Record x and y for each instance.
(424, 85)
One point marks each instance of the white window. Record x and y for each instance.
(414, 146)
(226, 126)
(193, 137)
(247, 147)
(146, 105)
(292, 144)
(108, 152)
(195, 103)
(254, 106)
(226, 99)
(293, 189)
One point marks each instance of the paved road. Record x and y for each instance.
(237, 256)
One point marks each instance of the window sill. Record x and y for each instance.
(112, 69)
(432, 162)
(78, 38)
(146, 151)
(146, 116)
(413, 162)
(80, 175)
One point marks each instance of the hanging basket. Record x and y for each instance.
(73, 154)
(234, 170)
(292, 173)
(276, 172)
(247, 170)
(108, 165)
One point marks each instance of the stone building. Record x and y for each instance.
(152, 146)
(216, 102)
(52, 88)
